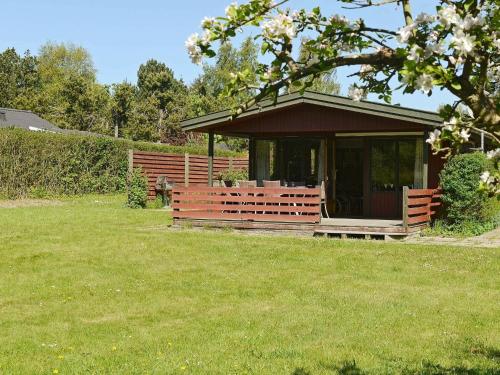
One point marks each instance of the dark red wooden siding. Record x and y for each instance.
(309, 118)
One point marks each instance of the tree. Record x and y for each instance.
(325, 83)
(85, 105)
(158, 87)
(70, 95)
(212, 84)
(457, 49)
(215, 79)
(19, 79)
(59, 62)
(123, 98)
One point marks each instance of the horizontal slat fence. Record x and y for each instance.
(419, 205)
(181, 169)
(283, 205)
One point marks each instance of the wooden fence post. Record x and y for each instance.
(405, 207)
(230, 163)
(186, 169)
(210, 158)
(130, 161)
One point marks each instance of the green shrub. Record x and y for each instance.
(468, 210)
(45, 164)
(137, 190)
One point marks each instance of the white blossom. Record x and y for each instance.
(463, 43)
(451, 125)
(424, 83)
(448, 16)
(470, 22)
(486, 177)
(464, 134)
(356, 93)
(493, 154)
(456, 61)
(405, 33)
(193, 48)
(433, 36)
(424, 18)
(496, 43)
(365, 69)
(339, 19)
(231, 9)
(207, 22)
(431, 49)
(278, 27)
(268, 74)
(434, 137)
(414, 53)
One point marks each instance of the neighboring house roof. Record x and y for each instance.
(26, 120)
(18, 118)
(325, 100)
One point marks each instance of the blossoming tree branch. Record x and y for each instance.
(456, 49)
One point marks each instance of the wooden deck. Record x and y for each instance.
(333, 227)
(364, 228)
(296, 210)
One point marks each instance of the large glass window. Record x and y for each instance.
(383, 163)
(411, 163)
(293, 161)
(396, 163)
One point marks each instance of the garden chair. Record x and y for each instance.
(272, 184)
(323, 201)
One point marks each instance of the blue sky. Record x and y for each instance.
(122, 34)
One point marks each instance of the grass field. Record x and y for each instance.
(87, 286)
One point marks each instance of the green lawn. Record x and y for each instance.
(89, 286)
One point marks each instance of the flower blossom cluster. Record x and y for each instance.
(490, 182)
(356, 93)
(279, 27)
(193, 48)
(493, 154)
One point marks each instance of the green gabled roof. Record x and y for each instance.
(325, 100)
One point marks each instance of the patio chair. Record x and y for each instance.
(246, 184)
(272, 184)
(323, 201)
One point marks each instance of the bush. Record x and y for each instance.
(45, 164)
(467, 208)
(137, 190)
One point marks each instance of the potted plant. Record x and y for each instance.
(230, 176)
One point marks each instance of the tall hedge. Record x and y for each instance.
(463, 200)
(37, 163)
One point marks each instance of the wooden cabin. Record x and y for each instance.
(369, 161)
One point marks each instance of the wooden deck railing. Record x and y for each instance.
(419, 205)
(283, 204)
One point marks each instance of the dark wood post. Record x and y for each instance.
(251, 156)
(130, 161)
(405, 207)
(425, 172)
(186, 169)
(210, 159)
